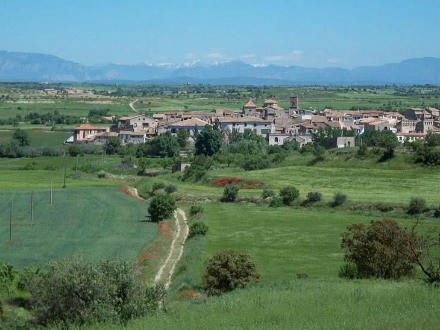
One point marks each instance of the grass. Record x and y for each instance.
(306, 304)
(95, 223)
(40, 137)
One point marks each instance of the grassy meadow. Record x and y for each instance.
(95, 223)
(40, 137)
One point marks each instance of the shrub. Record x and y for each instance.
(416, 206)
(229, 270)
(161, 207)
(78, 292)
(197, 228)
(437, 212)
(267, 193)
(348, 270)
(230, 193)
(383, 249)
(112, 145)
(256, 162)
(158, 185)
(363, 150)
(289, 194)
(170, 188)
(22, 137)
(7, 276)
(101, 175)
(338, 199)
(313, 197)
(74, 150)
(196, 209)
(276, 202)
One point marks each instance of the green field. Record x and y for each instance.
(95, 223)
(40, 137)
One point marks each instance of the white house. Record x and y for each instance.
(129, 137)
(258, 125)
(188, 125)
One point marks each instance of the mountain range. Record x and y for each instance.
(25, 67)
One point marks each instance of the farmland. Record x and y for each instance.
(94, 223)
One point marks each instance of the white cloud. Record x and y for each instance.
(293, 56)
(248, 56)
(215, 55)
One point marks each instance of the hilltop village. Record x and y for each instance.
(276, 124)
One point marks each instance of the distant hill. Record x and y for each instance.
(16, 66)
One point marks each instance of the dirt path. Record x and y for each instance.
(166, 270)
(131, 104)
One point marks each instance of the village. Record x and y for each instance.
(276, 124)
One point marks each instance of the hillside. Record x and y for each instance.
(16, 66)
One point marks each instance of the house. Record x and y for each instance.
(249, 109)
(129, 137)
(188, 125)
(101, 138)
(136, 123)
(410, 137)
(416, 121)
(277, 138)
(258, 125)
(345, 142)
(86, 133)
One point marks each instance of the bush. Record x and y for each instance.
(276, 202)
(196, 209)
(161, 207)
(112, 145)
(289, 194)
(267, 193)
(7, 276)
(78, 292)
(382, 250)
(230, 193)
(101, 175)
(229, 270)
(197, 228)
(338, 199)
(416, 206)
(256, 162)
(313, 197)
(74, 150)
(437, 212)
(348, 271)
(363, 150)
(157, 186)
(170, 188)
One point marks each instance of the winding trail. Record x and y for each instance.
(166, 270)
(131, 105)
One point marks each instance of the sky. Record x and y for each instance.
(310, 33)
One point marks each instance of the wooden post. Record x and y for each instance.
(64, 185)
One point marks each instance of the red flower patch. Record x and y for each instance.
(240, 182)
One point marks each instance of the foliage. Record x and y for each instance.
(229, 270)
(170, 188)
(164, 145)
(338, 199)
(230, 193)
(416, 206)
(289, 194)
(363, 150)
(432, 139)
(196, 209)
(161, 207)
(327, 137)
(427, 155)
(182, 137)
(197, 228)
(313, 196)
(22, 137)
(198, 169)
(74, 150)
(348, 270)
(7, 277)
(383, 249)
(276, 201)
(112, 145)
(267, 193)
(255, 162)
(78, 292)
(247, 143)
(208, 141)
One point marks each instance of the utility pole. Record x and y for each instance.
(32, 207)
(51, 193)
(10, 221)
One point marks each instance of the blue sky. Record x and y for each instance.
(292, 32)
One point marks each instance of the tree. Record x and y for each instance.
(383, 249)
(230, 193)
(74, 150)
(112, 145)
(22, 137)
(289, 194)
(338, 199)
(161, 207)
(182, 137)
(417, 205)
(164, 145)
(208, 141)
(197, 228)
(229, 270)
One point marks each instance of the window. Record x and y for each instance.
(276, 139)
(255, 125)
